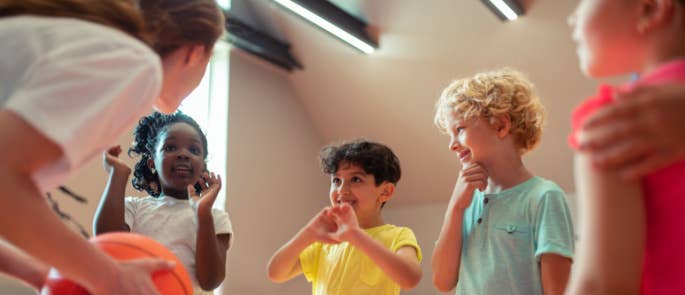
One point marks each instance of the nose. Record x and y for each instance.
(344, 189)
(454, 144)
(183, 154)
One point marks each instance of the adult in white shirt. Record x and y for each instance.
(74, 75)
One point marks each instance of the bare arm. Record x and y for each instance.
(27, 222)
(210, 254)
(285, 263)
(402, 266)
(447, 254)
(554, 273)
(109, 216)
(612, 232)
(446, 258)
(22, 266)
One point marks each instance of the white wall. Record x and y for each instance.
(274, 183)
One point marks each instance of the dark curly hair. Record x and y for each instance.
(146, 138)
(374, 158)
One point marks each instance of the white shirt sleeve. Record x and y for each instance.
(131, 205)
(84, 94)
(222, 223)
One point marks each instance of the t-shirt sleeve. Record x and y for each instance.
(554, 229)
(84, 96)
(587, 108)
(131, 206)
(406, 238)
(222, 223)
(309, 260)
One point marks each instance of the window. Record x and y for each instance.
(208, 105)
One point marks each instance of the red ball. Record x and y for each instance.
(126, 246)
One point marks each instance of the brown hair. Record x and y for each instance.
(176, 23)
(165, 25)
(119, 14)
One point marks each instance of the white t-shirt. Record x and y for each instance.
(80, 84)
(173, 223)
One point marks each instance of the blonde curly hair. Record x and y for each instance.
(491, 95)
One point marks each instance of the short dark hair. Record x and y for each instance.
(374, 158)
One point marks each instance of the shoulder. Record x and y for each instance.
(603, 97)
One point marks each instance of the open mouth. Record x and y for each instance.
(182, 169)
(464, 154)
(348, 201)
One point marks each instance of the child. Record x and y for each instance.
(505, 230)
(631, 236)
(75, 75)
(173, 151)
(347, 248)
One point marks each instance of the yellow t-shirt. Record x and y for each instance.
(341, 269)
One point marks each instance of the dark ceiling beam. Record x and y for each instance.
(242, 36)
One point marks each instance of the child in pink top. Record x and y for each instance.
(631, 238)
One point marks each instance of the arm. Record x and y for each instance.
(21, 266)
(27, 222)
(612, 232)
(554, 272)
(402, 266)
(447, 254)
(109, 216)
(210, 254)
(285, 263)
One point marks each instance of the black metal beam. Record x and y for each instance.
(260, 44)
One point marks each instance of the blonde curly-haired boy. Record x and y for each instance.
(505, 231)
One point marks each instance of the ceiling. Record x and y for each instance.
(390, 94)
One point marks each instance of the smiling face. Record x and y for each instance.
(351, 185)
(473, 140)
(179, 158)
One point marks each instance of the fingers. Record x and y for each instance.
(621, 153)
(645, 166)
(629, 107)
(154, 264)
(114, 151)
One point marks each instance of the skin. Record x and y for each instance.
(612, 220)
(355, 205)
(490, 163)
(179, 162)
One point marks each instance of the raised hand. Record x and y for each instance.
(345, 219)
(322, 227)
(111, 161)
(471, 177)
(210, 184)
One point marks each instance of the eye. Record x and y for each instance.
(169, 148)
(356, 179)
(460, 129)
(195, 150)
(335, 180)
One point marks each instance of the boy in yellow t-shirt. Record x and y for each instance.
(347, 248)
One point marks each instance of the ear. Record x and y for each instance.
(151, 164)
(654, 14)
(387, 191)
(195, 54)
(502, 125)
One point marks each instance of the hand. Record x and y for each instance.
(471, 177)
(210, 184)
(639, 134)
(134, 277)
(322, 227)
(346, 220)
(111, 161)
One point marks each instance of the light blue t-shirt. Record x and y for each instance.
(505, 234)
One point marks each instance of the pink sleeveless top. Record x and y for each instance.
(664, 190)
